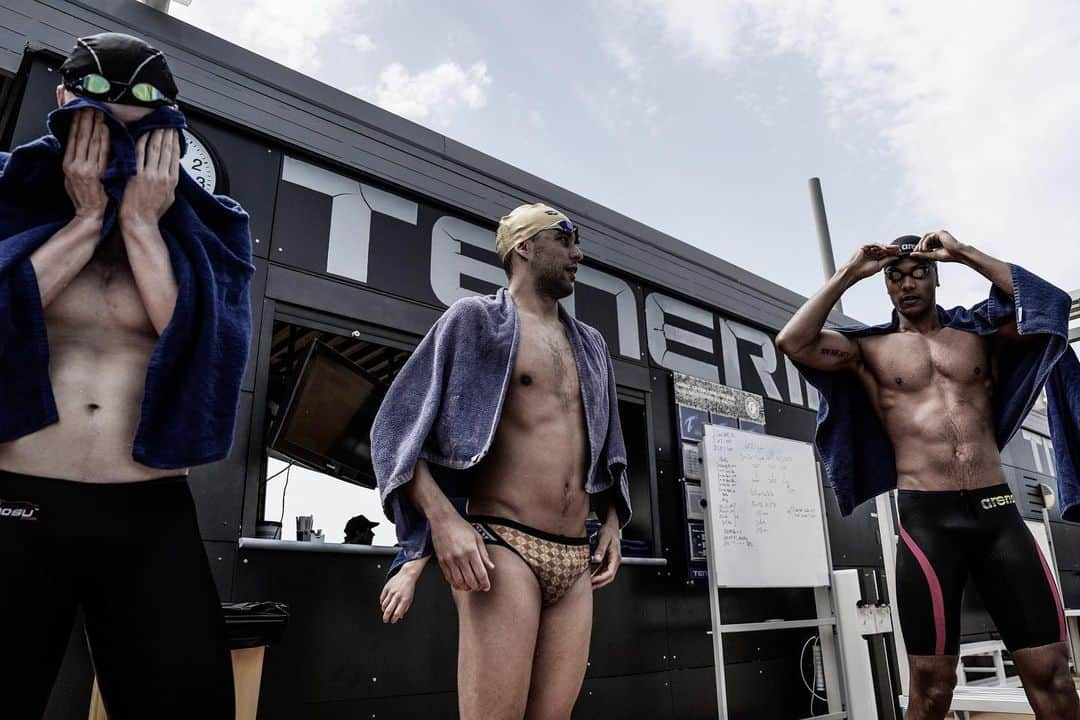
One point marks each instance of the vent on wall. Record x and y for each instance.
(1033, 490)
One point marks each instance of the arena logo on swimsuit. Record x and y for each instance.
(998, 501)
(679, 336)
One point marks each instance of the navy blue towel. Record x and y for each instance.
(857, 453)
(193, 381)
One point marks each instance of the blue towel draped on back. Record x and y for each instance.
(852, 442)
(193, 380)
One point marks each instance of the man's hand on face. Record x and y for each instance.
(608, 555)
(85, 159)
(462, 554)
(870, 259)
(940, 246)
(151, 191)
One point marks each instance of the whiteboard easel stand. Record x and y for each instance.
(823, 605)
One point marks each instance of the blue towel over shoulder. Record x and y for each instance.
(857, 453)
(444, 407)
(193, 380)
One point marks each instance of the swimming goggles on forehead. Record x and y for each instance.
(896, 275)
(565, 226)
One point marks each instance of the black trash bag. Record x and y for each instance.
(253, 624)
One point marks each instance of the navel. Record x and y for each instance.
(526, 379)
(899, 381)
(92, 408)
(978, 371)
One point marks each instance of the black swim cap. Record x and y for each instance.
(118, 68)
(907, 243)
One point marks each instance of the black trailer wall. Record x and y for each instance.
(651, 651)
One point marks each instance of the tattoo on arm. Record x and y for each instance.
(832, 352)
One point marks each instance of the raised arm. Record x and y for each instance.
(147, 196)
(804, 338)
(943, 247)
(66, 253)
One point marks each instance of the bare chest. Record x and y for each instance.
(544, 369)
(102, 298)
(907, 362)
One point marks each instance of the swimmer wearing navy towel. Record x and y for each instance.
(924, 404)
(124, 329)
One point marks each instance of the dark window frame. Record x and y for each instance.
(367, 330)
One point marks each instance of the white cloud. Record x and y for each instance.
(362, 42)
(432, 94)
(285, 31)
(976, 102)
(626, 106)
(704, 29)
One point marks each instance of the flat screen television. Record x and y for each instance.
(326, 423)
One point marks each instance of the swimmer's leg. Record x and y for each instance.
(562, 651)
(496, 640)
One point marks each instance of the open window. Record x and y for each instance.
(325, 388)
(324, 391)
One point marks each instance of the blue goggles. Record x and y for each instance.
(565, 226)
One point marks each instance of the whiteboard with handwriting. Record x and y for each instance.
(764, 507)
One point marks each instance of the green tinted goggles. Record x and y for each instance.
(101, 88)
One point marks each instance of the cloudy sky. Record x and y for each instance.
(705, 118)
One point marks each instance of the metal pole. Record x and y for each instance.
(817, 202)
(162, 5)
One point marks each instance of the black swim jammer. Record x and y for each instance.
(946, 535)
(130, 556)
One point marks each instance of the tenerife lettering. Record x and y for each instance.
(368, 225)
